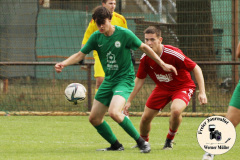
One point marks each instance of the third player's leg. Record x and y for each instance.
(98, 70)
(233, 114)
(99, 81)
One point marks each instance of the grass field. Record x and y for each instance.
(72, 137)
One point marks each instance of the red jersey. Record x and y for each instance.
(168, 80)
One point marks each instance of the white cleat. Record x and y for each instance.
(145, 148)
(208, 156)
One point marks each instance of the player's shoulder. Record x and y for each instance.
(146, 60)
(119, 16)
(96, 33)
(121, 29)
(144, 56)
(169, 47)
(174, 52)
(92, 22)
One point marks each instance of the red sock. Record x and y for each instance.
(146, 138)
(171, 134)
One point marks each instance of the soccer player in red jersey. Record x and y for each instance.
(169, 87)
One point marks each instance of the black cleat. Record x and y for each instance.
(168, 145)
(120, 148)
(145, 147)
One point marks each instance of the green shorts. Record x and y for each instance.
(235, 100)
(108, 89)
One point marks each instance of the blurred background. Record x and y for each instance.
(35, 34)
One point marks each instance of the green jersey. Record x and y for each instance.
(114, 52)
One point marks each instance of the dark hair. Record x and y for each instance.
(100, 14)
(153, 30)
(104, 1)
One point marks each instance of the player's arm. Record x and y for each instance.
(166, 67)
(73, 59)
(238, 50)
(138, 85)
(200, 80)
(82, 61)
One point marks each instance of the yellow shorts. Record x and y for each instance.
(98, 70)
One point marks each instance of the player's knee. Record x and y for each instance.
(94, 121)
(176, 113)
(115, 116)
(234, 121)
(146, 120)
(91, 119)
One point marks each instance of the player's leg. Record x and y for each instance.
(180, 100)
(98, 71)
(115, 112)
(156, 101)
(96, 119)
(121, 93)
(177, 108)
(115, 108)
(99, 108)
(99, 81)
(174, 122)
(233, 113)
(145, 123)
(97, 113)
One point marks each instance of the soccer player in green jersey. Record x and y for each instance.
(113, 45)
(233, 113)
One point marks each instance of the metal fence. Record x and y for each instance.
(36, 34)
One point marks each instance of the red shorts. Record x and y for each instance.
(159, 98)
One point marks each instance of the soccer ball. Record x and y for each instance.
(75, 92)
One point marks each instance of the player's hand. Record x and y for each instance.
(202, 98)
(126, 107)
(59, 67)
(169, 68)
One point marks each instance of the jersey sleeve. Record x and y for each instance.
(142, 73)
(90, 45)
(133, 42)
(187, 64)
(90, 30)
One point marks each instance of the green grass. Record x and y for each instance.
(73, 137)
